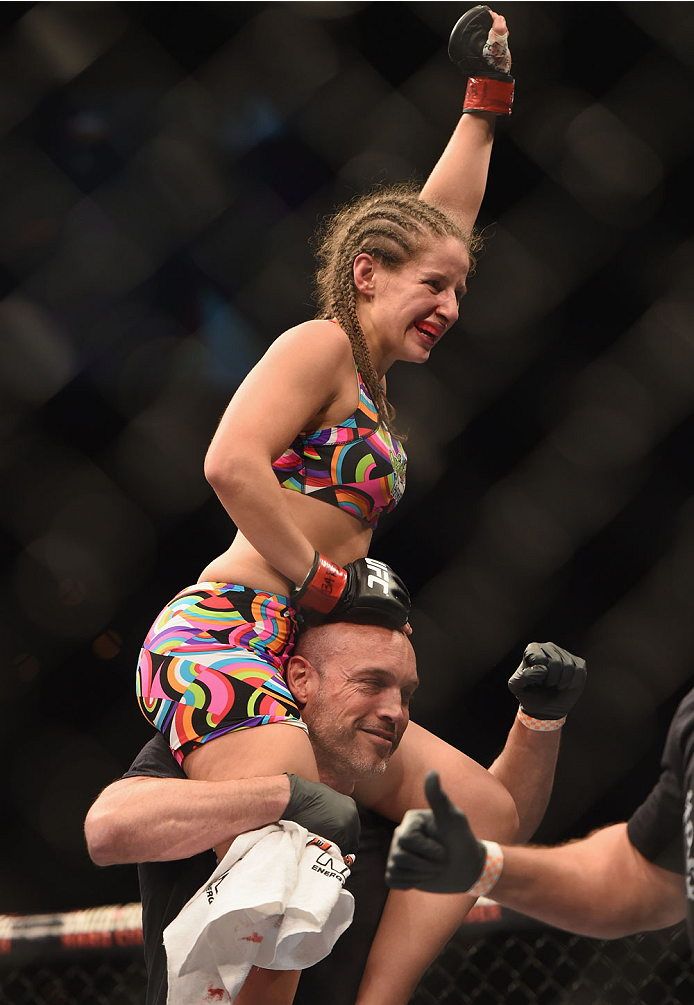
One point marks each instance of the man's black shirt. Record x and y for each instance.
(662, 828)
(165, 888)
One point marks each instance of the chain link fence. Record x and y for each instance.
(496, 958)
(87, 980)
(515, 961)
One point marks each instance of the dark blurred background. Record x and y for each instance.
(163, 167)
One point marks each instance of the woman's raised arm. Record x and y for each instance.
(479, 46)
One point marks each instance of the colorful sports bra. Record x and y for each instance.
(356, 465)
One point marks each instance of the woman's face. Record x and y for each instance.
(406, 311)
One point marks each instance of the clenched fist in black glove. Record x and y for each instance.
(324, 812)
(435, 850)
(549, 681)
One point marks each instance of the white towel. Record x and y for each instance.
(276, 900)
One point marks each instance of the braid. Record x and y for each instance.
(346, 313)
(390, 224)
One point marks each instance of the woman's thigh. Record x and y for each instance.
(249, 753)
(484, 799)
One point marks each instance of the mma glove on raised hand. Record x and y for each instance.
(483, 56)
(324, 812)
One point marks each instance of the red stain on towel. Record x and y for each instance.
(217, 995)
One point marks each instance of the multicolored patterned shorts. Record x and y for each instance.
(214, 661)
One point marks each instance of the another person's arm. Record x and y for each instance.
(163, 819)
(159, 815)
(621, 879)
(547, 684)
(600, 886)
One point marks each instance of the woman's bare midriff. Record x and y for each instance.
(333, 532)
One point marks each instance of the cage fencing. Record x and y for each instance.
(497, 957)
(91, 957)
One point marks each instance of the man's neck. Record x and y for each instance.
(340, 782)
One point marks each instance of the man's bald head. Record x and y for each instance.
(325, 641)
(353, 683)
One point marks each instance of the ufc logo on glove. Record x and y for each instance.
(379, 575)
(365, 587)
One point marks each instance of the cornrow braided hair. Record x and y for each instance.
(391, 224)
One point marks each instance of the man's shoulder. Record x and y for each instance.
(655, 827)
(683, 719)
(678, 754)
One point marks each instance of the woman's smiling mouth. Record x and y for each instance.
(430, 333)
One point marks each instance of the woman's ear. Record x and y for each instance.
(364, 274)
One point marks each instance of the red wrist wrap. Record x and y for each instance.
(484, 94)
(323, 587)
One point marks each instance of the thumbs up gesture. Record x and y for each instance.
(435, 850)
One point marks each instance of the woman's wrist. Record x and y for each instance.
(322, 587)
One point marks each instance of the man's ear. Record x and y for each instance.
(302, 679)
(363, 269)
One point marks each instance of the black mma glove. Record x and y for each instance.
(363, 587)
(435, 850)
(549, 681)
(324, 812)
(484, 57)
